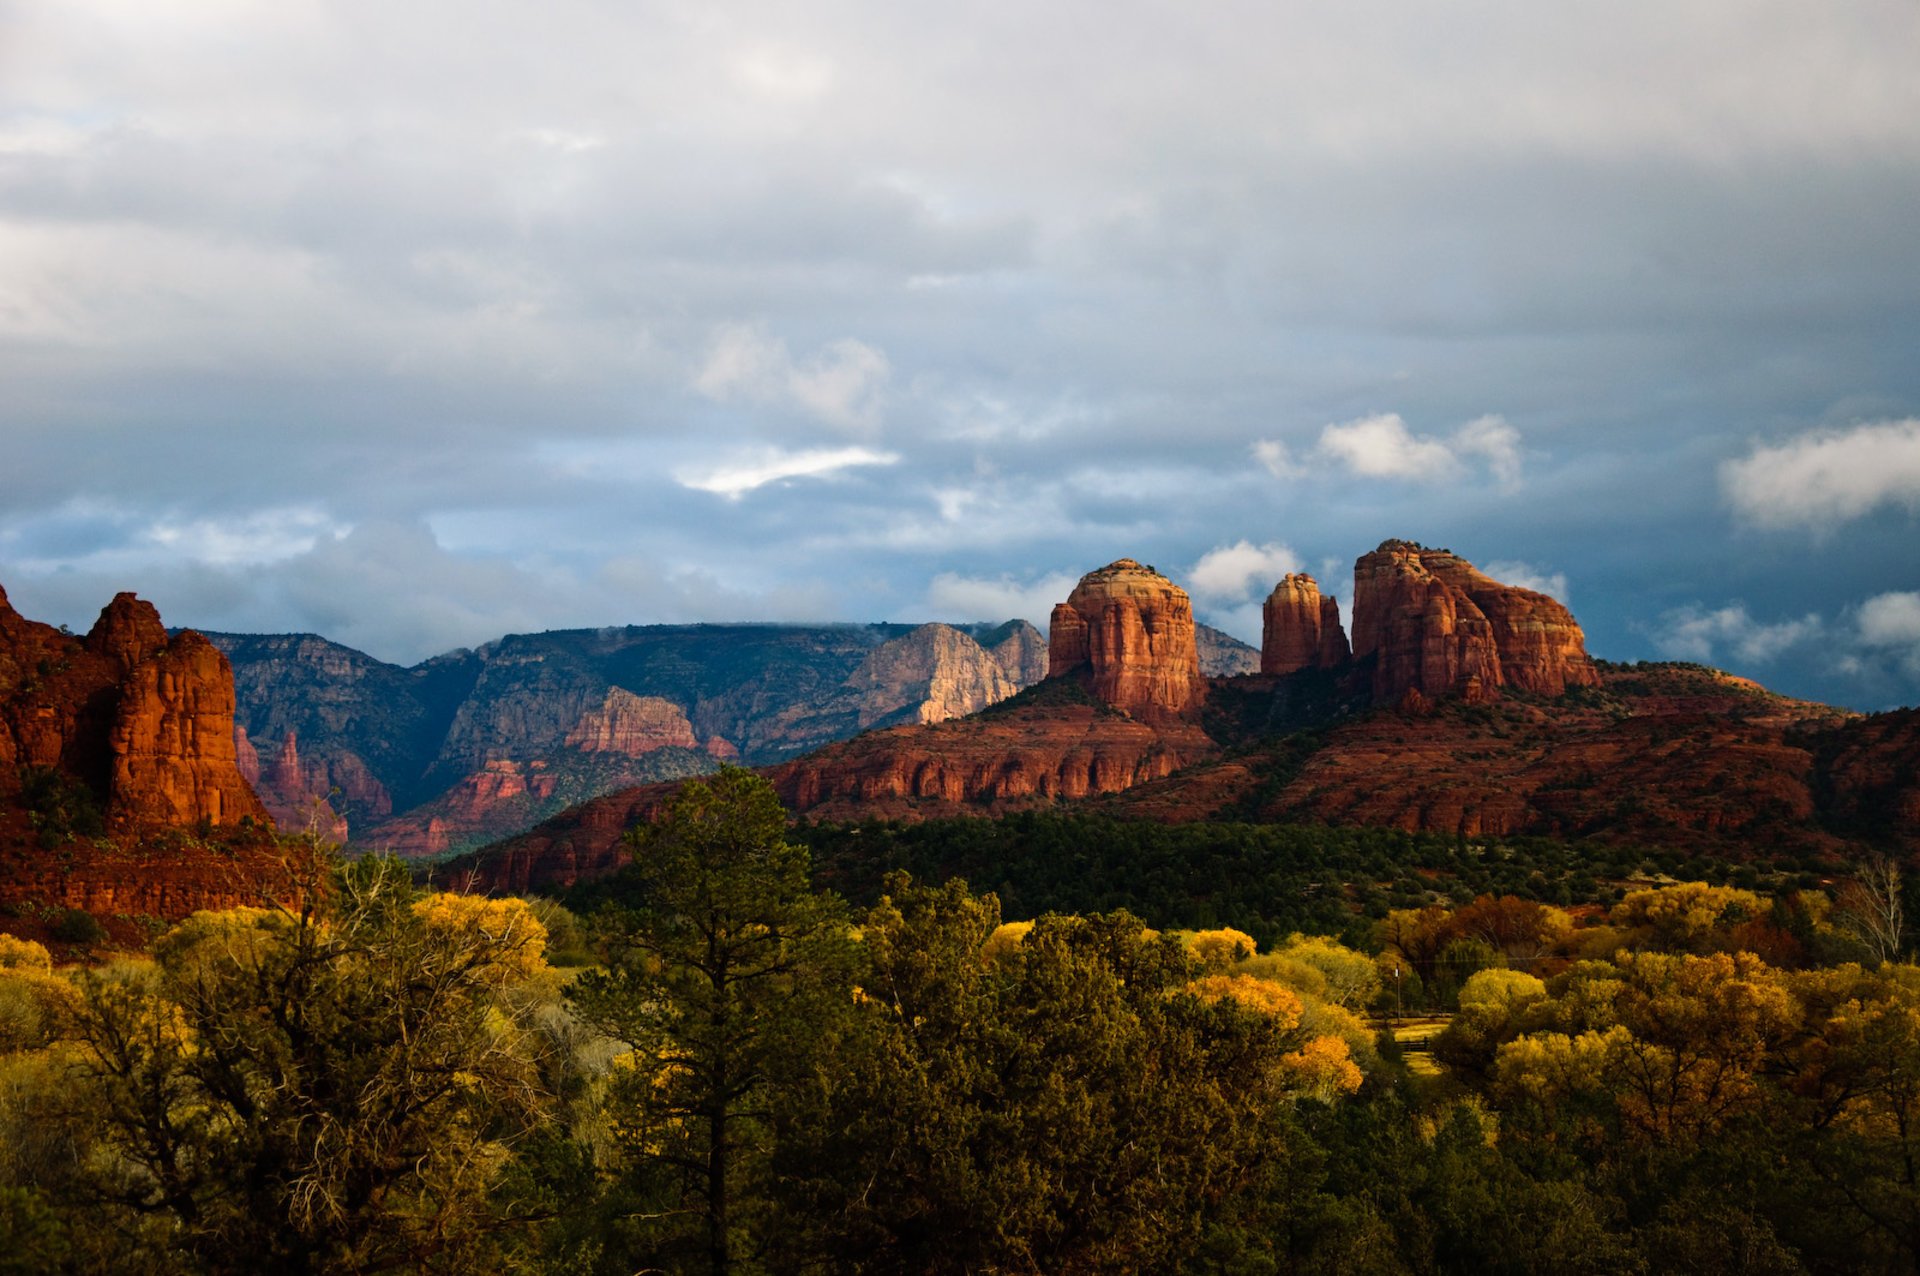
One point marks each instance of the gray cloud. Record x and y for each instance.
(494, 278)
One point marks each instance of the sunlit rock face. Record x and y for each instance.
(1133, 629)
(1437, 625)
(1300, 628)
(144, 720)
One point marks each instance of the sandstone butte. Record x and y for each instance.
(144, 724)
(1300, 628)
(1435, 625)
(1132, 629)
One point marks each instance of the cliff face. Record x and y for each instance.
(1301, 628)
(172, 742)
(478, 745)
(1436, 625)
(934, 673)
(143, 721)
(1222, 655)
(1653, 755)
(1133, 629)
(125, 732)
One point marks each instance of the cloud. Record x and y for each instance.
(1527, 576)
(1278, 459)
(735, 479)
(1492, 438)
(1382, 447)
(1891, 620)
(1231, 572)
(1694, 633)
(841, 383)
(1828, 476)
(1889, 625)
(957, 597)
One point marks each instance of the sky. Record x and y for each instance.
(417, 324)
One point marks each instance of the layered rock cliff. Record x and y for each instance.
(143, 721)
(120, 787)
(1301, 628)
(1222, 655)
(1435, 625)
(477, 745)
(1132, 630)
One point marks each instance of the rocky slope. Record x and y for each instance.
(477, 745)
(1474, 710)
(120, 788)
(1221, 654)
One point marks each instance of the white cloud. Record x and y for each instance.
(1694, 633)
(1493, 438)
(957, 597)
(1231, 572)
(734, 479)
(1278, 459)
(263, 536)
(1891, 620)
(1527, 576)
(1828, 476)
(841, 383)
(1381, 446)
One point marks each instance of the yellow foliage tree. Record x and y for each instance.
(1261, 995)
(1686, 917)
(23, 954)
(1006, 937)
(1500, 990)
(506, 930)
(1322, 1069)
(1216, 950)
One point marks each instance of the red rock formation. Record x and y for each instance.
(631, 725)
(144, 725)
(143, 721)
(1301, 628)
(172, 740)
(1437, 625)
(128, 632)
(1063, 753)
(1134, 628)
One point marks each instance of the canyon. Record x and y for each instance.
(1462, 706)
(476, 745)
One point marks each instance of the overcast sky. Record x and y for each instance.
(414, 324)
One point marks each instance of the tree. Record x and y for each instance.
(1868, 908)
(328, 1090)
(721, 974)
(1068, 1104)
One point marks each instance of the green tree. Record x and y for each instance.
(723, 973)
(328, 1090)
(1060, 1105)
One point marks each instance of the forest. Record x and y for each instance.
(1043, 1045)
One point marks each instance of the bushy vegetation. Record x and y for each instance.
(1266, 879)
(745, 1073)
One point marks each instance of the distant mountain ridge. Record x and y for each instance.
(1462, 706)
(478, 744)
